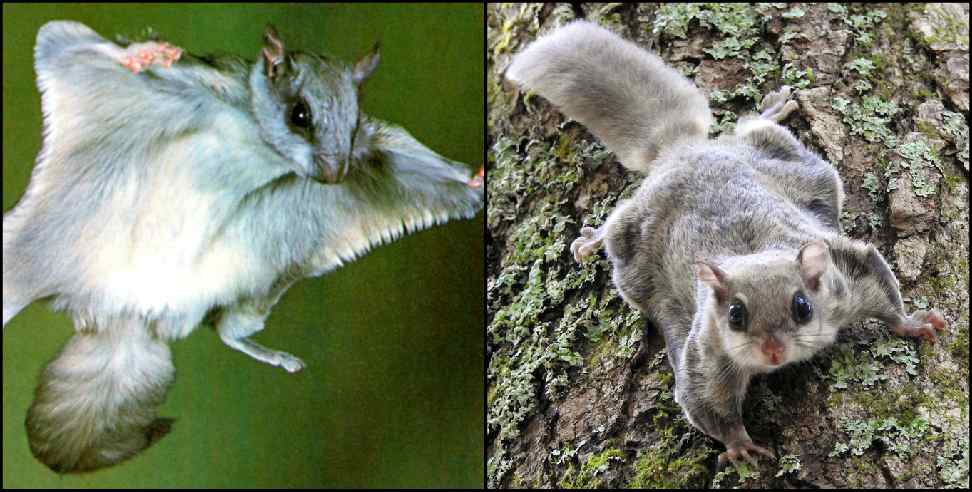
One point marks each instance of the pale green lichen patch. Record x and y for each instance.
(661, 465)
(862, 24)
(794, 13)
(589, 475)
(738, 27)
(915, 155)
(742, 472)
(953, 463)
(538, 328)
(872, 186)
(850, 366)
(673, 19)
(871, 119)
(863, 66)
(901, 438)
(941, 29)
(799, 78)
(958, 129)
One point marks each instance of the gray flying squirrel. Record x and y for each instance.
(732, 247)
(172, 190)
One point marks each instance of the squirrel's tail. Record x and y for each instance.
(625, 95)
(96, 402)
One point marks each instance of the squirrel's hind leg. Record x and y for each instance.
(240, 322)
(777, 105)
(764, 132)
(237, 323)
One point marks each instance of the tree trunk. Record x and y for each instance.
(580, 393)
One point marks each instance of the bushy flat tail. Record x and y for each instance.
(625, 95)
(96, 402)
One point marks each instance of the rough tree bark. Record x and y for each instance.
(580, 394)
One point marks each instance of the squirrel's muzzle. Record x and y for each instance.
(331, 170)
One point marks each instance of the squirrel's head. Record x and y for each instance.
(770, 308)
(307, 106)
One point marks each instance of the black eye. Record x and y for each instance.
(802, 310)
(300, 115)
(737, 316)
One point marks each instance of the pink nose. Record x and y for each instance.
(773, 349)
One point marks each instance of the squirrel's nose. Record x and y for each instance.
(331, 170)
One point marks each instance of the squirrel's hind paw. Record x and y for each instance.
(590, 241)
(777, 105)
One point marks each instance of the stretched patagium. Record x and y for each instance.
(172, 190)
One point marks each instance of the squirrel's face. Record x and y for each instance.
(769, 309)
(307, 107)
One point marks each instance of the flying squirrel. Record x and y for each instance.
(731, 247)
(175, 190)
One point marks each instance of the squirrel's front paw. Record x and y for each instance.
(140, 56)
(476, 181)
(589, 242)
(777, 105)
(922, 324)
(741, 450)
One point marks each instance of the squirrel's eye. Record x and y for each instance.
(737, 316)
(802, 310)
(300, 115)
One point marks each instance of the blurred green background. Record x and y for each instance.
(393, 392)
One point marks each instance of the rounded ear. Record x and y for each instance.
(714, 277)
(813, 259)
(365, 66)
(274, 54)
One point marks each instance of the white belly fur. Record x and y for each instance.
(160, 248)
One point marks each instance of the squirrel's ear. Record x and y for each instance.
(714, 277)
(274, 54)
(365, 66)
(813, 259)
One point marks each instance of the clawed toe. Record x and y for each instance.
(923, 324)
(785, 111)
(476, 181)
(734, 453)
(776, 106)
(588, 242)
(290, 363)
(577, 249)
(775, 99)
(142, 55)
